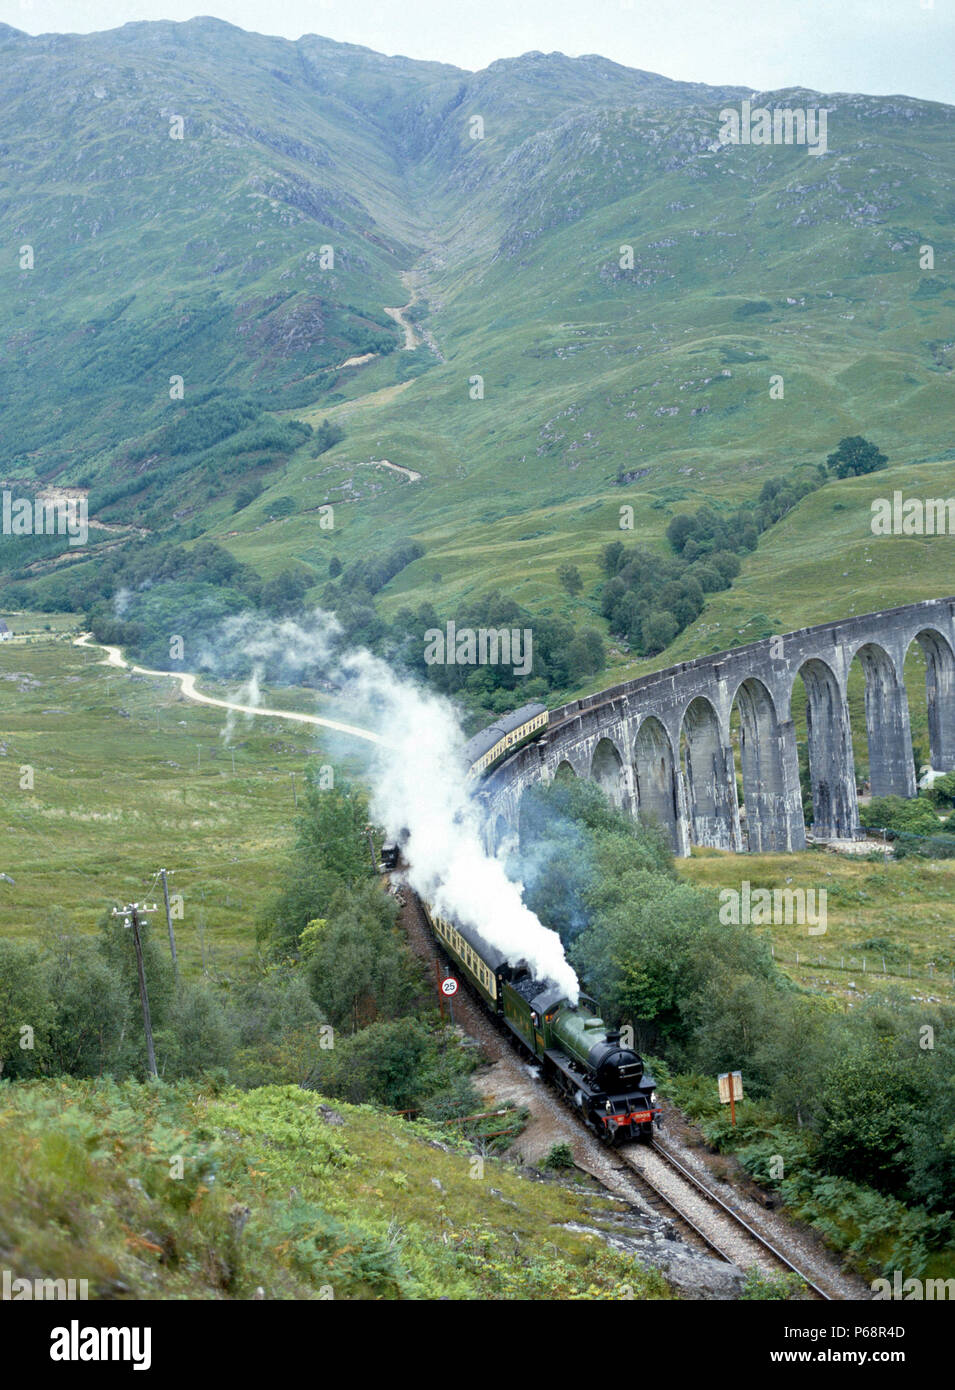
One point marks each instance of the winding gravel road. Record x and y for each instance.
(187, 684)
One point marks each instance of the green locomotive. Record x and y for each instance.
(605, 1080)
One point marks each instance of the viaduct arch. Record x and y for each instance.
(662, 745)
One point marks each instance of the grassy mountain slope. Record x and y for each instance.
(280, 1196)
(197, 256)
(200, 258)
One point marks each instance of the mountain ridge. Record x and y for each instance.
(203, 258)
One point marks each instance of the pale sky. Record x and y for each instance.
(876, 46)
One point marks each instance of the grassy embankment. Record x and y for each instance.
(164, 1192)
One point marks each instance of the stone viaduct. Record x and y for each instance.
(661, 745)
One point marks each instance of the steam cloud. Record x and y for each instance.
(416, 775)
(418, 783)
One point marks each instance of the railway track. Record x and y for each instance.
(736, 1241)
(653, 1172)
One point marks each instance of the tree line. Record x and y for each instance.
(855, 1097)
(333, 999)
(649, 599)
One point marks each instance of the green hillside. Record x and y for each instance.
(312, 326)
(170, 1192)
(202, 258)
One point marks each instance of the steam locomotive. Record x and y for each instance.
(602, 1078)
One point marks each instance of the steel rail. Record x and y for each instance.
(716, 1200)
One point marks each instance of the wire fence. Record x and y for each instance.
(868, 964)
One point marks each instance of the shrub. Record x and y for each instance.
(401, 1063)
(899, 814)
(359, 966)
(26, 1010)
(559, 1156)
(772, 1286)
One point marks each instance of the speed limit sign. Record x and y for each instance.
(449, 986)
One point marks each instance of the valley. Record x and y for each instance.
(342, 353)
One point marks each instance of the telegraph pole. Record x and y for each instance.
(202, 930)
(132, 914)
(172, 934)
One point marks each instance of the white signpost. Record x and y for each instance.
(731, 1090)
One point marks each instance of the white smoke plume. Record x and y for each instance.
(294, 649)
(417, 780)
(416, 776)
(299, 646)
(249, 694)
